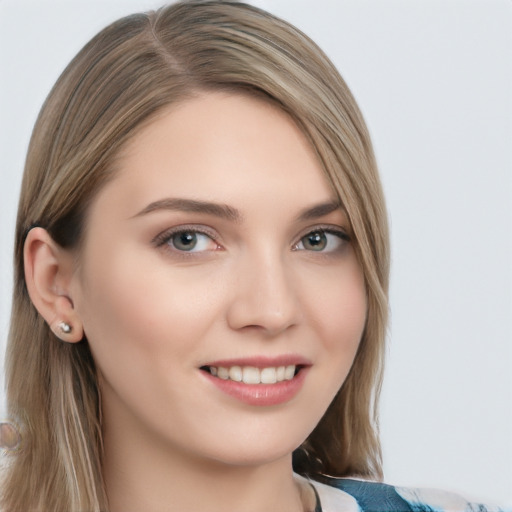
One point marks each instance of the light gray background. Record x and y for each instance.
(434, 80)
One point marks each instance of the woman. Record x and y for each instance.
(201, 280)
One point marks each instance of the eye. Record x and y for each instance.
(187, 240)
(322, 240)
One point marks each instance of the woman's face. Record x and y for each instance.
(217, 254)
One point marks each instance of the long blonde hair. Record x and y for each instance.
(115, 85)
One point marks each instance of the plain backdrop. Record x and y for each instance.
(434, 81)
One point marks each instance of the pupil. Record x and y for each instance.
(316, 241)
(185, 241)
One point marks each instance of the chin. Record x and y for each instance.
(256, 451)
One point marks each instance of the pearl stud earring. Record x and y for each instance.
(64, 328)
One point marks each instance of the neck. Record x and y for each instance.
(143, 476)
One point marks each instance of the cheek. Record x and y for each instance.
(345, 317)
(145, 328)
(338, 303)
(132, 307)
(339, 311)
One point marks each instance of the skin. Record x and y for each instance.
(252, 286)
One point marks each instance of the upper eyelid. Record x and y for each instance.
(164, 235)
(327, 228)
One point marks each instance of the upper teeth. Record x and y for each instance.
(252, 375)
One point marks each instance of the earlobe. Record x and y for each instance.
(48, 272)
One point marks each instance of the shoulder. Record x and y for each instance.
(352, 495)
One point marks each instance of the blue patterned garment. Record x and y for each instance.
(350, 495)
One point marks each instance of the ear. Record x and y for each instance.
(48, 272)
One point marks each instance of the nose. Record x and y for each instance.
(264, 297)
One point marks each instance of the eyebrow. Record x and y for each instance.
(320, 210)
(228, 212)
(191, 205)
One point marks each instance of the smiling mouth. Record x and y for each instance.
(252, 375)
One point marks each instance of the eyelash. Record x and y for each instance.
(342, 235)
(166, 237)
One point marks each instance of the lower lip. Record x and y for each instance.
(260, 394)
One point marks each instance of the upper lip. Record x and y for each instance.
(262, 361)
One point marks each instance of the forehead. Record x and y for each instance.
(223, 147)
